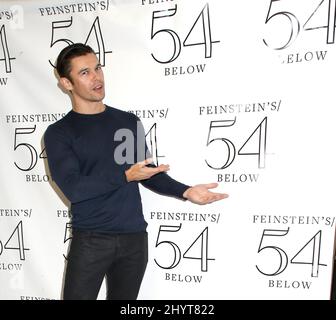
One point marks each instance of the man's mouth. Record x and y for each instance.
(98, 87)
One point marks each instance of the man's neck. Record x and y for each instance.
(89, 108)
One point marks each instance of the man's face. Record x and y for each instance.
(87, 77)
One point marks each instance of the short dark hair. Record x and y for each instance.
(63, 62)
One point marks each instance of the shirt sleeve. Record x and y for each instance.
(65, 170)
(164, 184)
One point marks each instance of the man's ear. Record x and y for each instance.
(66, 83)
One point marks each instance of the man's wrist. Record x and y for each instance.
(185, 193)
(127, 175)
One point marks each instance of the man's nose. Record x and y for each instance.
(95, 75)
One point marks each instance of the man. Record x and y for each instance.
(109, 229)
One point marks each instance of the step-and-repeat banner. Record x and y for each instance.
(236, 92)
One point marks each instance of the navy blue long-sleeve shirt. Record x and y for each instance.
(81, 157)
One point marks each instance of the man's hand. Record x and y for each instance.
(200, 194)
(139, 171)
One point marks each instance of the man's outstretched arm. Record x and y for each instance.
(157, 179)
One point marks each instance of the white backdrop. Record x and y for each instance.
(235, 92)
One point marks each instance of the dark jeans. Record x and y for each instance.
(122, 258)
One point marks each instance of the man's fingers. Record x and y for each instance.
(141, 170)
(155, 170)
(145, 162)
(211, 185)
(149, 160)
(214, 197)
(163, 167)
(221, 195)
(148, 172)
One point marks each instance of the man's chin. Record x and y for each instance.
(98, 98)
